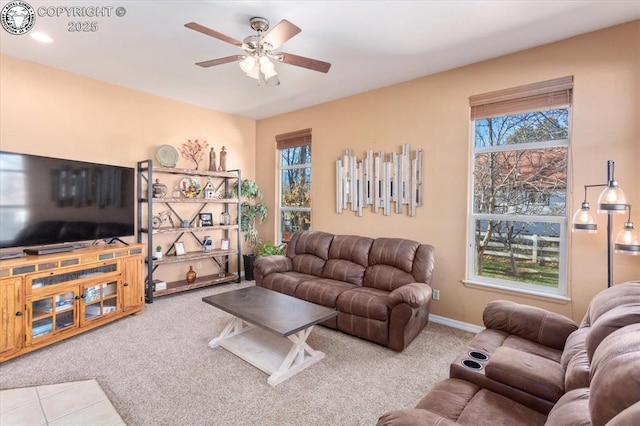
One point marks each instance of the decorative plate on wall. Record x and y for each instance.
(167, 155)
(190, 187)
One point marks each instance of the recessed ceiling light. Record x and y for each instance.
(42, 37)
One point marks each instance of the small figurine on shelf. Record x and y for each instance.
(223, 160)
(212, 161)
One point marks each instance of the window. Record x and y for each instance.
(294, 152)
(518, 219)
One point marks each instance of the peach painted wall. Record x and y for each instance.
(54, 113)
(432, 113)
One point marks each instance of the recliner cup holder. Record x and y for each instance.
(473, 365)
(478, 356)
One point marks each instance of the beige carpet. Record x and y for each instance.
(157, 369)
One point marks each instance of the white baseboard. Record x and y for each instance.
(455, 323)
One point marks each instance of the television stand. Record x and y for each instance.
(50, 249)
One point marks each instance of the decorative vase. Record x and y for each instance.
(191, 275)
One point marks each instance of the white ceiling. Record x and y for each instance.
(370, 44)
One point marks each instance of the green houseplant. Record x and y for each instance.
(270, 249)
(252, 212)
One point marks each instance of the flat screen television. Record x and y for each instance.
(53, 201)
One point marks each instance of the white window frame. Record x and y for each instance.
(517, 286)
(282, 168)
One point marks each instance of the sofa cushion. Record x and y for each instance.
(395, 252)
(344, 270)
(284, 282)
(348, 258)
(350, 247)
(385, 277)
(308, 264)
(364, 302)
(572, 409)
(501, 411)
(390, 263)
(527, 346)
(466, 404)
(310, 242)
(531, 373)
(610, 321)
(573, 345)
(323, 291)
(448, 398)
(610, 298)
(578, 371)
(615, 376)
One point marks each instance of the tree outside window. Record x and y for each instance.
(518, 222)
(295, 190)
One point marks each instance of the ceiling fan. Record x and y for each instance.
(260, 50)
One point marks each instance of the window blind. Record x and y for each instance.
(556, 93)
(294, 139)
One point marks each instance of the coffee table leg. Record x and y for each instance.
(300, 356)
(234, 327)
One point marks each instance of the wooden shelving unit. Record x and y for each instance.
(147, 204)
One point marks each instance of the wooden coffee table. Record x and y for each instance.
(269, 330)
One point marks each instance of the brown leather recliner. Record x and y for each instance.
(534, 365)
(612, 397)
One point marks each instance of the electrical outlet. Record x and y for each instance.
(436, 294)
(199, 265)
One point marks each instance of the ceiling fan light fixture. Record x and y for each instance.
(267, 68)
(272, 81)
(248, 64)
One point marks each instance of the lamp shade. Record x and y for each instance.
(584, 221)
(612, 199)
(628, 240)
(247, 64)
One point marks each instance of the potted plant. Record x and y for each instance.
(252, 212)
(158, 253)
(270, 249)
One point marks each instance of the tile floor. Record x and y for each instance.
(72, 404)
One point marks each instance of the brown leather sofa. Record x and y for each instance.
(541, 368)
(380, 287)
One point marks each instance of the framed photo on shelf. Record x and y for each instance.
(224, 244)
(179, 248)
(206, 219)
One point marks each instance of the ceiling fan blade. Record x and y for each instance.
(208, 31)
(219, 61)
(282, 32)
(301, 61)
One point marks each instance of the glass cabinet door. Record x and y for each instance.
(100, 299)
(52, 314)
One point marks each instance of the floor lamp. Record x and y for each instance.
(612, 200)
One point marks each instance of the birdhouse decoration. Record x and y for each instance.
(209, 190)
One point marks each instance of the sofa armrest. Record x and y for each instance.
(413, 416)
(529, 322)
(413, 294)
(271, 264)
